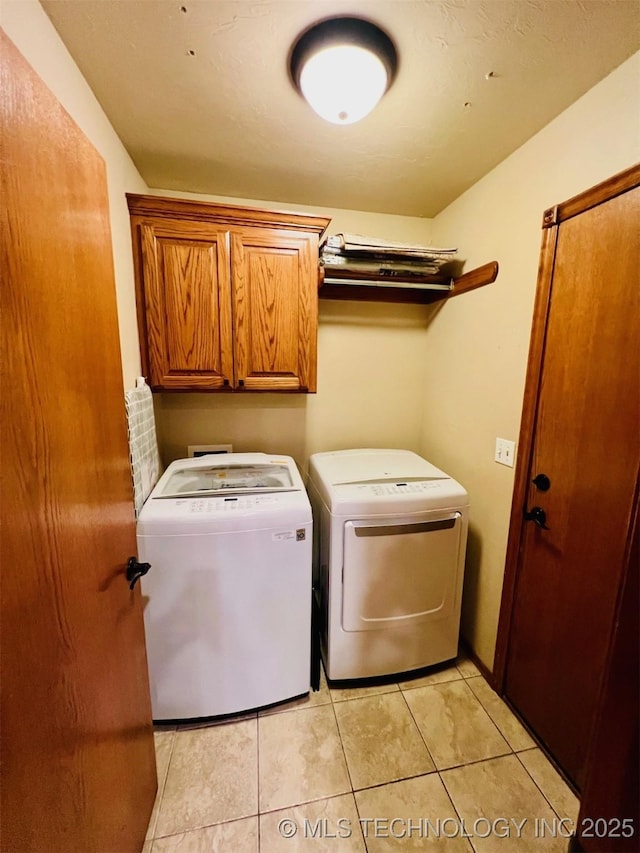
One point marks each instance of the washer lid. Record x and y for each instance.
(230, 492)
(236, 474)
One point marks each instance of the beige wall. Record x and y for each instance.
(370, 373)
(370, 376)
(30, 29)
(476, 348)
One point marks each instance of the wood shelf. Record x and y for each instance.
(383, 290)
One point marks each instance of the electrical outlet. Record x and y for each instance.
(505, 452)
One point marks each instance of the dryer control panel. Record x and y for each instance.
(399, 488)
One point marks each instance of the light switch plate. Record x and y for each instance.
(505, 452)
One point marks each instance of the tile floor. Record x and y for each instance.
(435, 761)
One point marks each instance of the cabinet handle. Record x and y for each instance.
(225, 381)
(241, 382)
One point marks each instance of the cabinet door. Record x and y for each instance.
(187, 305)
(275, 309)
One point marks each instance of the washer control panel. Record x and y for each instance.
(229, 504)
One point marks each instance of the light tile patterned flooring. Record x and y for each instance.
(437, 761)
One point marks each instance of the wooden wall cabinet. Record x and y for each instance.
(227, 296)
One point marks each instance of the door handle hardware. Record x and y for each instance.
(538, 516)
(135, 571)
(542, 482)
(404, 529)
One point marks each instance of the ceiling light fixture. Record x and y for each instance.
(342, 67)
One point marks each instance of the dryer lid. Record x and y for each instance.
(372, 466)
(378, 481)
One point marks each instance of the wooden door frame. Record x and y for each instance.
(551, 220)
(610, 789)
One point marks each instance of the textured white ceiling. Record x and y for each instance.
(198, 91)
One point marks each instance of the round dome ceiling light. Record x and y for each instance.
(342, 67)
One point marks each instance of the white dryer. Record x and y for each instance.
(389, 551)
(227, 602)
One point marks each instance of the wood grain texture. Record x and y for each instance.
(191, 306)
(612, 787)
(471, 280)
(349, 288)
(587, 442)
(618, 184)
(274, 310)
(224, 214)
(77, 747)
(225, 307)
(184, 284)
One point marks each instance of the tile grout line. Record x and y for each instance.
(322, 797)
(364, 840)
(490, 718)
(257, 780)
(415, 723)
(296, 805)
(477, 760)
(465, 764)
(201, 827)
(419, 775)
(410, 687)
(440, 770)
(460, 818)
(344, 754)
(355, 802)
(436, 770)
(162, 786)
(551, 806)
(204, 826)
(535, 744)
(393, 781)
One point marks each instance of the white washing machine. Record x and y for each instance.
(227, 602)
(390, 537)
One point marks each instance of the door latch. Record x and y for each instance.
(538, 516)
(135, 571)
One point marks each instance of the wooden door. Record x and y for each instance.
(78, 766)
(275, 309)
(585, 441)
(184, 269)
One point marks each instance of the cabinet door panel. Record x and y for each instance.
(275, 310)
(188, 309)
